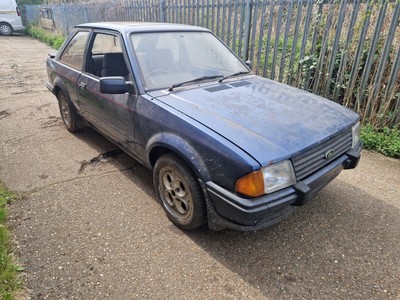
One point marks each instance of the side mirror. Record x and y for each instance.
(52, 54)
(249, 64)
(115, 85)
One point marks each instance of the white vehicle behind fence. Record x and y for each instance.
(10, 18)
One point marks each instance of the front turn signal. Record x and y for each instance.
(251, 185)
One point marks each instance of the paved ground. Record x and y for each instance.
(95, 231)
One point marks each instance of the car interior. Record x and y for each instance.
(106, 57)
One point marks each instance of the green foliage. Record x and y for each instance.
(22, 2)
(9, 281)
(385, 141)
(308, 66)
(289, 49)
(51, 39)
(58, 42)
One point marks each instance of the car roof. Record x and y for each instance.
(127, 27)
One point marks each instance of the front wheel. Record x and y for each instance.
(179, 192)
(5, 29)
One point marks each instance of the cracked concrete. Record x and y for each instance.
(89, 226)
(100, 159)
(4, 114)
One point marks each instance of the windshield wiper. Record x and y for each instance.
(232, 75)
(194, 80)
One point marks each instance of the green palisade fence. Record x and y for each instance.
(345, 50)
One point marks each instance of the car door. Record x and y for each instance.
(111, 114)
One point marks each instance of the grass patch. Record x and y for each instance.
(385, 141)
(52, 39)
(10, 283)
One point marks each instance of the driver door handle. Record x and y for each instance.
(82, 85)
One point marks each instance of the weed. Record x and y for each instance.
(385, 141)
(58, 42)
(51, 39)
(9, 279)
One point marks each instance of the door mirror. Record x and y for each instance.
(249, 64)
(52, 54)
(115, 85)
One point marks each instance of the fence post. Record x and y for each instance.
(370, 60)
(247, 28)
(382, 63)
(85, 13)
(162, 11)
(66, 29)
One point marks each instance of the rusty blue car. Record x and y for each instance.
(227, 148)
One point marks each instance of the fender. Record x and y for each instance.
(179, 146)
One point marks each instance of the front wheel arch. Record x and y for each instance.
(165, 142)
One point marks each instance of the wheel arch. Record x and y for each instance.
(164, 143)
(57, 89)
(59, 86)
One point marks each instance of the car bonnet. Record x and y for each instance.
(268, 120)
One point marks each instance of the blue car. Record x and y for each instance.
(226, 147)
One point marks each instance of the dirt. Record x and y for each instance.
(89, 226)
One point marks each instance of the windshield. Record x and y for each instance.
(168, 58)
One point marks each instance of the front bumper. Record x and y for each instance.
(227, 210)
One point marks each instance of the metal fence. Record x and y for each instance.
(346, 50)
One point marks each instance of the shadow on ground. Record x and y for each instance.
(110, 154)
(343, 244)
(337, 247)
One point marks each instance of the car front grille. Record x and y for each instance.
(312, 160)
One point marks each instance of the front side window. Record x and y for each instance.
(106, 58)
(167, 58)
(74, 51)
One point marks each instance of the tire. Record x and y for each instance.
(179, 192)
(68, 113)
(5, 29)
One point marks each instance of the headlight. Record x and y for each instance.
(267, 180)
(355, 132)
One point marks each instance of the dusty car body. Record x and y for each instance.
(226, 147)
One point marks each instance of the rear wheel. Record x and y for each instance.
(179, 192)
(5, 29)
(68, 113)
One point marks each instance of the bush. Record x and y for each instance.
(58, 42)
(51, 39)
(385, 141)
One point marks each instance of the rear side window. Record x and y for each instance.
(73, 53)
(106, 43)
